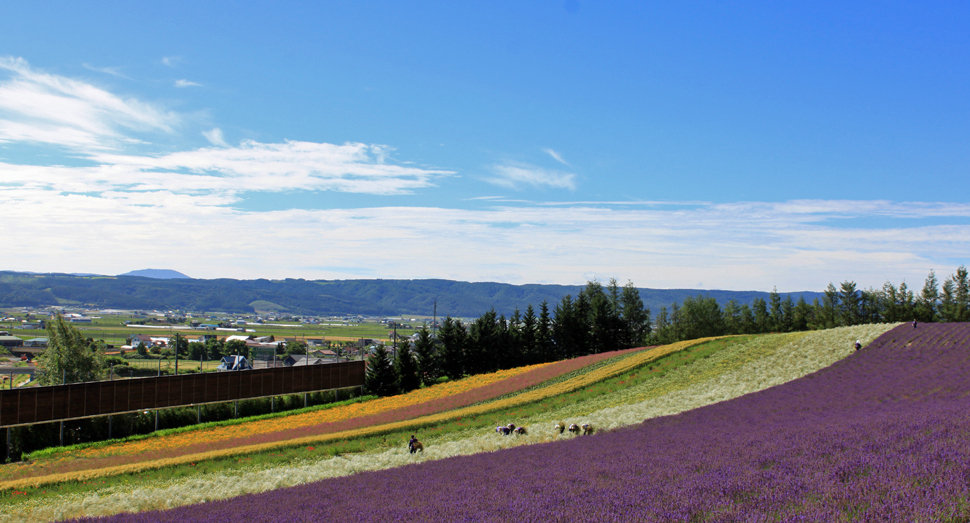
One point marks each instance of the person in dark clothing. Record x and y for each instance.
(858, 344)
(914, 324)
(411, 443)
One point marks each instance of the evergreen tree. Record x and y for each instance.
(405, 368)
(849, 304)
(69, 358)
(563, 324)
(529, 337)
(429, 367)
(484, 338)
(380, 378)
(775, 300)
(948, 304)
(926, 304)
(962, 295)
(802, 317)
(454, 340)
(762, 318)
(544, 334)
(636, 317)
(787, 321)
(829, 315)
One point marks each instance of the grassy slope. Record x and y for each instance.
(701, 375)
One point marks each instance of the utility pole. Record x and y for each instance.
(177, 337)
(434, 320)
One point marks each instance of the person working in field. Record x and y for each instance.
(414, 445)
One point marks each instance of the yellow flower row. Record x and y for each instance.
(607, 371)
(318, 417)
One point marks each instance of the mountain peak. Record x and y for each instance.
(158, 274)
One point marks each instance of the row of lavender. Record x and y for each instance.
(882, 435)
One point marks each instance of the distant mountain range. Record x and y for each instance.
(158, 274)
(310, 297)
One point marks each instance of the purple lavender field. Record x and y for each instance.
(883, 435)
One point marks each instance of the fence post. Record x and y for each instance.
(62, 433)
(109, 426)
(272, 404)
(8, 444)
(156, 420)
(304, 400)
(235, 409)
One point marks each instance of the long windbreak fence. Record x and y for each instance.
(102, 398)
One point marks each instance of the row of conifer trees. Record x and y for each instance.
(609, 318)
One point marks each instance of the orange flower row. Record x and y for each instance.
(306, 419)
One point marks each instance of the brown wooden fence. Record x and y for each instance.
(100, 398)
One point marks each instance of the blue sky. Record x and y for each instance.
(732, 146)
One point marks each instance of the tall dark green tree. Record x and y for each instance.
(483, 340)
(849, 303)
(454, 341)
(528, 337)
(426, 355)
(636, 317)
(563, 325)
(544, 334)
(925, 309)
(380, 378)
(406, 368)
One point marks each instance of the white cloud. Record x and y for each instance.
(186, 83)
(517, 175)
(736, 246)
(215, 137)
(555, 156)
(46, 108)
(171, 61)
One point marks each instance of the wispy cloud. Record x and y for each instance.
(518, 175)
(113, 71)
(171, 61)
(228, 171)
(215, 137)
(186, 83)
(555, 156)
(46, 108)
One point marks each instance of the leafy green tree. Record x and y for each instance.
(215, 349)
(429, 367)
(69, 358)
(295, 347)
(196, 350)
(237, 347)
(406, 368)
(142, 350)
(380, 378)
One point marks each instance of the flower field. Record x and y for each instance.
(307, 428)
(742, 366)
(881, 435)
